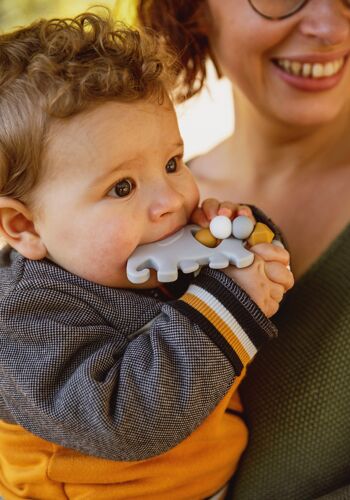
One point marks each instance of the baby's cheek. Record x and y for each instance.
(193, 199)
(119, 248)
(104, 255)
(120, 239)
(118, 253)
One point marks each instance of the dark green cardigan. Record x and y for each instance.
(297, 392)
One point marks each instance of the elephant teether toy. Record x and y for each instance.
(182, 251)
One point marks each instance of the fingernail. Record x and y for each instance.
(225, 211)
(243, 211)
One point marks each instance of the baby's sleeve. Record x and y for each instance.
(74, 372)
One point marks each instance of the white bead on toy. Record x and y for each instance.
(242, 227)
(221, 227)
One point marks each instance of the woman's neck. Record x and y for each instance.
(264, 147)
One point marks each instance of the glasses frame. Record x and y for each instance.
(272, 18)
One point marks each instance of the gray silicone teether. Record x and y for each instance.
(183, 251)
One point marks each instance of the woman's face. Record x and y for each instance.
(297, 69)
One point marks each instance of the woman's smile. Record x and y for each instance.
(311, 76)
(311, 73)
(309, 69)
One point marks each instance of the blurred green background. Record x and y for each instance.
(14, 13)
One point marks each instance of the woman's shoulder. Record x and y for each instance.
(203, 165)
(216, 174)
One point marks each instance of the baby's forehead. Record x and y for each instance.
(100, 115)
(102, 130)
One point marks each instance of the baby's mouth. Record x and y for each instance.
(313, 70)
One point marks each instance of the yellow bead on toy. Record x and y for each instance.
(261, 234)
(205, 237)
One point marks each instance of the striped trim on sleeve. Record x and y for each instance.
(228, 316)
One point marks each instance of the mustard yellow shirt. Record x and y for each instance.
(32, 468)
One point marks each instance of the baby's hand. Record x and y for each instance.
(267, 279)
(211, 207)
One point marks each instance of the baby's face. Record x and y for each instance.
(114, 179)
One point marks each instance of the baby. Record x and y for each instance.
(108, 391)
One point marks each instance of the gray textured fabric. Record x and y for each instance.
(72, 371)
(297, 392)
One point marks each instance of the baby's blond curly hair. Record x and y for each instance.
(57, 68)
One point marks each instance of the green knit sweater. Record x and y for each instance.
(297, 392)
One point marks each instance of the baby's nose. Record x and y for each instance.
(166, 200)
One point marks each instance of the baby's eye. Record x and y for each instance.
(122, 188)
(171, 166)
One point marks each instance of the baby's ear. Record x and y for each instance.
(17, 228)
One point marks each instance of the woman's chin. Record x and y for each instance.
(310, 115)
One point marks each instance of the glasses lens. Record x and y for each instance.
(276, 9)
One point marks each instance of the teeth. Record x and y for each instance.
(329, 69)
(296, 67)
(307, 69)
(311, 70)
(317, 70)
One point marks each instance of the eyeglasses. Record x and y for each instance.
(280, 9)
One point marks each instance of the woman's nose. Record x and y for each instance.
(165, 200)
(326, 20)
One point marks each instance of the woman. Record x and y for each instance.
(288, 61)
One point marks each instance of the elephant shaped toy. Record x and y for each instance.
(182, 251)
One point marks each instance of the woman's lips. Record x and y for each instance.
(311, 75)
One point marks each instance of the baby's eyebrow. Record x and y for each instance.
(107, 173)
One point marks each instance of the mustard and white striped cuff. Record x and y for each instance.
(228, 316)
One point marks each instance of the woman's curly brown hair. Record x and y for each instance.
(57, 68)
(184, 25)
